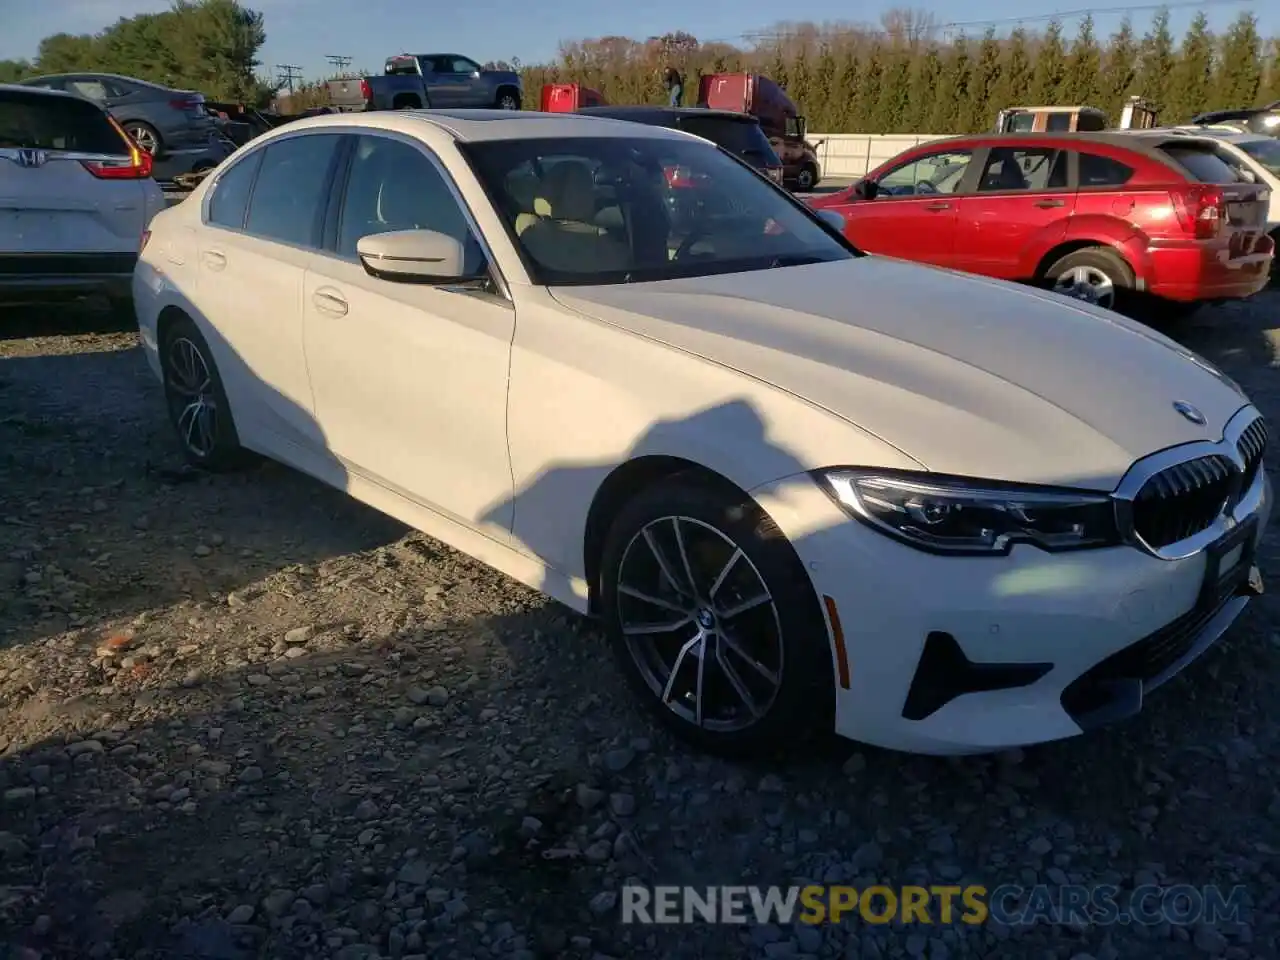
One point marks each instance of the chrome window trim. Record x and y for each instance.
(1248, 502)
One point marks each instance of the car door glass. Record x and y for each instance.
(931, 174)
(461, 65)
(89, 89)
(229, 201)
(1023, 168)
(1096, 171)
(394, 186)
(290, 192)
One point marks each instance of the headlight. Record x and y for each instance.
(961, 516)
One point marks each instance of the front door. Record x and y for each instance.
(1020, 206)
(913, 215)
(410, 380)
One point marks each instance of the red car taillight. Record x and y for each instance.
(137, 166)
(1201, 210)
(364, 89)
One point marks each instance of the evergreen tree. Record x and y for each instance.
(1271, 89)
(845, 101)
(866, 111)
(1119, 71)
(1050, 69)
(953, 91)
(1080, 84)
(1193, 72)
(925, 77)
(1238, 75)
(895, 90)
(1156, 61)
(800, 83)
(981, 104)
(825, 112)
(1016, 75)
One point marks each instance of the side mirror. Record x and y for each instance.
(416, 256)
(832, 218)
(475, 74)
(866, 190)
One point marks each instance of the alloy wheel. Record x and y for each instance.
(804, 180)
(144, 138)
(508, 102)
(192, 400)
(700, 624)
(1088, 284)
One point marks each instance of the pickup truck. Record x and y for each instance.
(411, 81)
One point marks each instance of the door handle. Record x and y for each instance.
(328, 300)
(1046, 204)
(937, 205)
(214, 260)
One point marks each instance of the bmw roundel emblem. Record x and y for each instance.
(1189, 412)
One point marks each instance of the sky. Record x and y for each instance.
(303, 32)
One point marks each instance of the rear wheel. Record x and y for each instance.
(1094, 275)
(714, 621)
(508, 100)
(145, 136)
(196, 400)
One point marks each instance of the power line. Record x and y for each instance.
(340, 63)
(289, 72)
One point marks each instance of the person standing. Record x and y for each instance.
(675, 86)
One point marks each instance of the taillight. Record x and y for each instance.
(1201, 210)
(137, 166)
(184, 103)
(365, 91)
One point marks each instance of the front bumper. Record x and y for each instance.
(1041, 646)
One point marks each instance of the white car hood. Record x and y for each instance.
(967, 376)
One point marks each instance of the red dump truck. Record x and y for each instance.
(779, 119)
(569, 97)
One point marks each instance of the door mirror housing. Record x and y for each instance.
(416, 256)
(832, 218)
(866, 190)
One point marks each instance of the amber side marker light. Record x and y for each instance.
(837, 633)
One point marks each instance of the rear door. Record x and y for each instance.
(914, 213)
(1019, 208)
(49, 201)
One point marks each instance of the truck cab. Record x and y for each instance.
(1137, 114)
(779, 118)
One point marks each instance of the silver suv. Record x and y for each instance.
(76, 197)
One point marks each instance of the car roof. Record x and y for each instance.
(1146, 142)
(643, 110)
(477, 126)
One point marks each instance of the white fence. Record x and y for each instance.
(849, 155)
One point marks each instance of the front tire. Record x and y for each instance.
(196, 400)
(806, 179)
(714, 621)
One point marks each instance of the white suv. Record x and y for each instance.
(76, 195)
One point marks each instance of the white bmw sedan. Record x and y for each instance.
(801, 487)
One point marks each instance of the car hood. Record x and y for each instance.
(967, 376)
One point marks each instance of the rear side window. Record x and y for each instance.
(230, 199)
(1096, 171)
(738, 137)
(291, 189)
(49, 122)
(1202, 162)
(1024, 168)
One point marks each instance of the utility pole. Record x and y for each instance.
(289, 72)
(340, 63)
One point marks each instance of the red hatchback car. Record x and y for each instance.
(1127, 221)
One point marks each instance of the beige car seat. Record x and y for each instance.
(564, 236)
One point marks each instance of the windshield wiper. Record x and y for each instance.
(795, 260)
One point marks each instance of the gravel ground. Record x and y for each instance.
(246, 716)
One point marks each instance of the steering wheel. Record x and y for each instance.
(925, 186)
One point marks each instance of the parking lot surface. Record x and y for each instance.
(244, 716)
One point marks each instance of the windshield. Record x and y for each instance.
(1266, 152)
(600, 210)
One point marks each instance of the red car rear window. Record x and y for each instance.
(1202, 162)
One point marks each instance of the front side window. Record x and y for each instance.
(1024, 168)
(229, 201)
(459, 65)
(89, 89)
(289, 196)
(621, 209)
(931, 174)
(1265, 152)
(394, 186)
